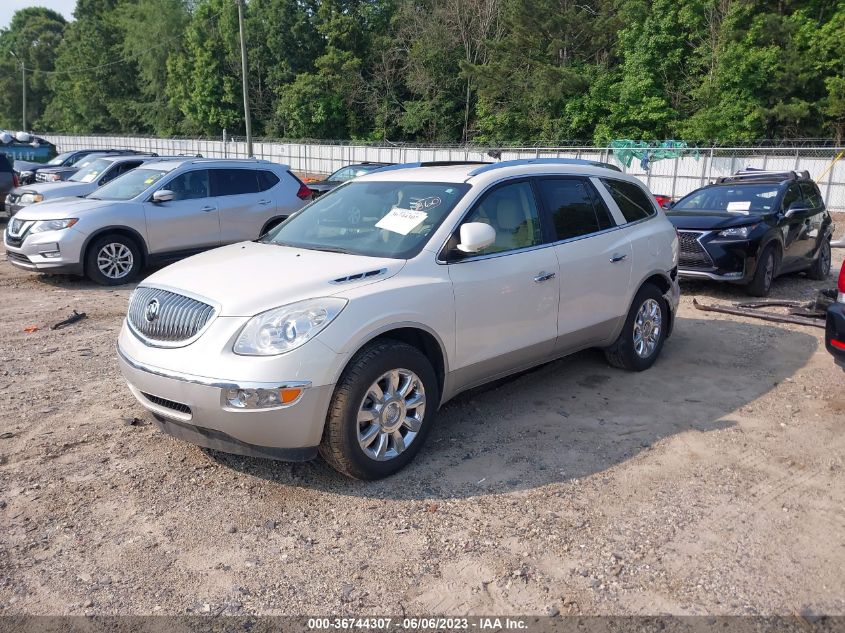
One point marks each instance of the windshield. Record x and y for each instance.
(739, 198)
(353, 171)
(128, 185)
(91, 171)
(60, 159)
(378, 219)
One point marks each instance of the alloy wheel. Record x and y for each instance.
(391, 414)
(115, 260)
(648, 327)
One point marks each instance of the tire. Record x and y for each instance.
(624, 352)
(345, 440)
(121, 251)
(764, 275)
(820, 270)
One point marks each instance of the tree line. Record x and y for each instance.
(484, 71)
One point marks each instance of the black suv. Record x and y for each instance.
(64, 165)
(751, 227)
(8, 181)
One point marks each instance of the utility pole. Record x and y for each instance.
(23, 88)
(247, 120)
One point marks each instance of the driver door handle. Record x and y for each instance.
(617, 258)
(543, 276)
(208, 208)
(264, 201)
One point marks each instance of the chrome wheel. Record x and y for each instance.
(648, 327)
(115, 260)
(391, 414)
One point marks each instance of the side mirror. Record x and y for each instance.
(476, 236)
(163, 195)
(796, 207)
(668, 205)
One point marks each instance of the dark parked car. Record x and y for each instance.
(8, 181)
(343, 174)
(65, 165)
(834, 334)
(751, 227)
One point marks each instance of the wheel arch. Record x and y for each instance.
(418, 336)
(664, 283)
(125, 231)
(278, 219)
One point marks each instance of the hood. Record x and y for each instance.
(711, 220)
(248, 278)
(51, 190)
(60, 208)
(25, 165)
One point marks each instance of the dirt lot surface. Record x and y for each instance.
(713, 483)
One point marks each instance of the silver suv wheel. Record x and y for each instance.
(391, 414)
(648, 325)
(115, 260)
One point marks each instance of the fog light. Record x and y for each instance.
(261, 398)
(49, 250)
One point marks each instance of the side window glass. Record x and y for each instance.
(267, 180)
(234, 182)
(512, 212)
(571, 205)
(811, 195)
(793, 194)
(191, 185)
(630, 198)
(342, 175)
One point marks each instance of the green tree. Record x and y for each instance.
(33, 36)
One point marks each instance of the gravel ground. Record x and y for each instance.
(712, 484)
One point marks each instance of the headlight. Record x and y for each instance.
(52, 225)
(26, 174)
(31, 198)
(282, 329)
(53, 177)
(738, 231)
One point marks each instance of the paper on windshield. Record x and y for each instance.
(401, 221)
(739, 206)
(89, 177)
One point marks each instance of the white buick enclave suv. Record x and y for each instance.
(346, 327)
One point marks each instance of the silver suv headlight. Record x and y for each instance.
(30, 198)
(283, 329)
(52, 225)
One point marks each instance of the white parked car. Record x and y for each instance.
(164, 210)
(345, 328)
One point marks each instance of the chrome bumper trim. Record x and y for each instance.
(700, 274)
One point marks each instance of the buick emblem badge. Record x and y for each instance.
(151, 311)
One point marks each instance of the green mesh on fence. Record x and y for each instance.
(646, 152)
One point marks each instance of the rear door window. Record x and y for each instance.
(631, 199)
(233, 182)
(574, 208)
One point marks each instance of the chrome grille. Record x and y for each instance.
(693, 254)
(177, 319)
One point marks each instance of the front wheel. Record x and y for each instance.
(821, 266)
(764, 275)
(112, 260)
(381, 411)
(644, 332)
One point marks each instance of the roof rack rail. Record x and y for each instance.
(431, 163)
(752, 173)
(542, 161)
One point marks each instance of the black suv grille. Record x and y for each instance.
(692, 253)
(168, 404)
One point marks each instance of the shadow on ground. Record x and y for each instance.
(575, 417)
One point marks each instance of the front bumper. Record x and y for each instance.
(707, 257)
(28, 253)
(192, 408)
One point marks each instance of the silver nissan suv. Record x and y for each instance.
(161, 211)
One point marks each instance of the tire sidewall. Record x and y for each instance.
(93, 272)
(758, 287)
(823, 265)
(399, 357)
(635, 361)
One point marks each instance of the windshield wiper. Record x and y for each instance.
(327, 249)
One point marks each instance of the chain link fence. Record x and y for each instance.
(672, 177)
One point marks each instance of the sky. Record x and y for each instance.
(8, 8)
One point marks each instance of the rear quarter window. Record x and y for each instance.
(267, 180)
(632, 201)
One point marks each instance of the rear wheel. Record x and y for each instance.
(644, 332)
(821, 266)
(767, 265)
(381, 411)
(112, 260)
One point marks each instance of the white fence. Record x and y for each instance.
(673, 177)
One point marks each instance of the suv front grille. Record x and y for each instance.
(692, 253)
(23, 259)
(165, 317)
